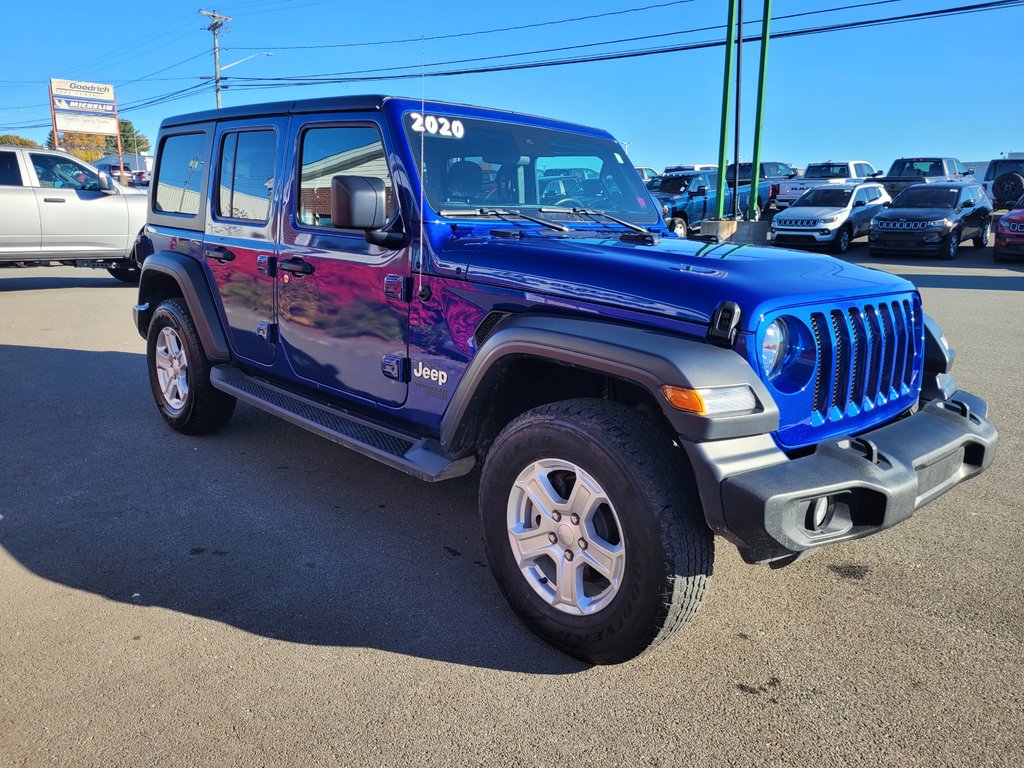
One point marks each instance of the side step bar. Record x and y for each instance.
(419, 457)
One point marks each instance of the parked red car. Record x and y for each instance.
(1010, 233)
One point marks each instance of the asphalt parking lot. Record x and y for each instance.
(262, 596)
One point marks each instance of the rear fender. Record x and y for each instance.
(167, 275)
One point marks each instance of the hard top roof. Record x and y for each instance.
(360, 103)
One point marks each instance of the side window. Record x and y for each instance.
(180, 174)
(55, 172)
(959, 167)
(863, 170)
(327, 152)
(861, 195)
(874, 193)
(10, 173)
(246, 178)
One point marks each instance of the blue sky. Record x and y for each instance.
(927, 87)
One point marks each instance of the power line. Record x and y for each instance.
(300, 78)
(465, 34)
(251, 84)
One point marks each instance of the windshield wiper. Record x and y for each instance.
(506, 214)
(595, 213)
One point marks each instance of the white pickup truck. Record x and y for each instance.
(829, 172)
(57, 209)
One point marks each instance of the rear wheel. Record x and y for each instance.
(594, 529)
(179, 373)
(680, 226)
(125, 274)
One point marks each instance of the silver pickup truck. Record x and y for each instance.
(57, 209)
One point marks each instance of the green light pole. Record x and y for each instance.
(755, 165)
(726, 94)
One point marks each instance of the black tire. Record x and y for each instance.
(128, 275)
(668, 550)
(1008, 187)
(841, 240)
(950, 246)
(981, 241)
(680, 226)
(202, 409)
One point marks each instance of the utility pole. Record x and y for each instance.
(215, 26)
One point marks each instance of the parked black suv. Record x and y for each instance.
(933, 218)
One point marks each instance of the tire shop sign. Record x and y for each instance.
(82, 107)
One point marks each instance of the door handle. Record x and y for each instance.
(221, 254)
(53, 199)
(296, 266)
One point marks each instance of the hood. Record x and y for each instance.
(677, 278)
(812, 212)
(916, 214)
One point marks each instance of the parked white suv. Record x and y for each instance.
(830, 215)
(55, 208)
(829, 172)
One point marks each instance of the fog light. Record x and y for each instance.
(819, 513)
(824, 231)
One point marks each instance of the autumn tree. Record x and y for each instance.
(13, 140)
(88, 146)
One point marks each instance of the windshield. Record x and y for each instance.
(827, 171)
(927, 197)
(912, 168)
(999, 167)
(671, 184)
(470, 164)
(824, 198)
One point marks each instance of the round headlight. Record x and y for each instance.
(773, 348)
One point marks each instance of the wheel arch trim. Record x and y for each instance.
(641, 356)
(190, 277)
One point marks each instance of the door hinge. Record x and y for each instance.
(267, 331)
(395, 367)
(266, 265)
(397, 287)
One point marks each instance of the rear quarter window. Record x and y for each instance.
(179, 174)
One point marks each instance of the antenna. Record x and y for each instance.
(423, 159)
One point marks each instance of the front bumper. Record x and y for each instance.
(919, 240)
(804, 236)
(869, 483)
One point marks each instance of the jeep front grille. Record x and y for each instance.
(796, 222)
(867, 358)
(903, 225)
(1016, 226)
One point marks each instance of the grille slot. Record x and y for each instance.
(864, 356)
(487, 325)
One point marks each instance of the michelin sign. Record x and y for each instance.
(83, 107)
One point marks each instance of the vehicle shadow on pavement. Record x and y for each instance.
(262, 526)
(50, 283)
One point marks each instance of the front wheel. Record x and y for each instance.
(594, 530)
(951, 245)
(841, 240)
(981, 241)
(679, 226)
(179, 373)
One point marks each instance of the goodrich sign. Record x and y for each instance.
(83, 107)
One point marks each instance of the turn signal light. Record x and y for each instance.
(682, 399)
(711, 401)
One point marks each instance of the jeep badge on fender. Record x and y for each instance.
(620, 435)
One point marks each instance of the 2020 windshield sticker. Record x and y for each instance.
(436, 125)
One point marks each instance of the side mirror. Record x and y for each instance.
(792, 175)
(886, 205)
(876, 174)
(701, 190)
(358, 202)
(860, 203)
(106, 184)
(968, 171)
(967, 204)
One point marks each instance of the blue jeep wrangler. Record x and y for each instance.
(404, 279)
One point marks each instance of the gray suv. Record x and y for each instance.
(57, 209)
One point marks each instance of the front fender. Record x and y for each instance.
(647, 358)
(159, 272)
